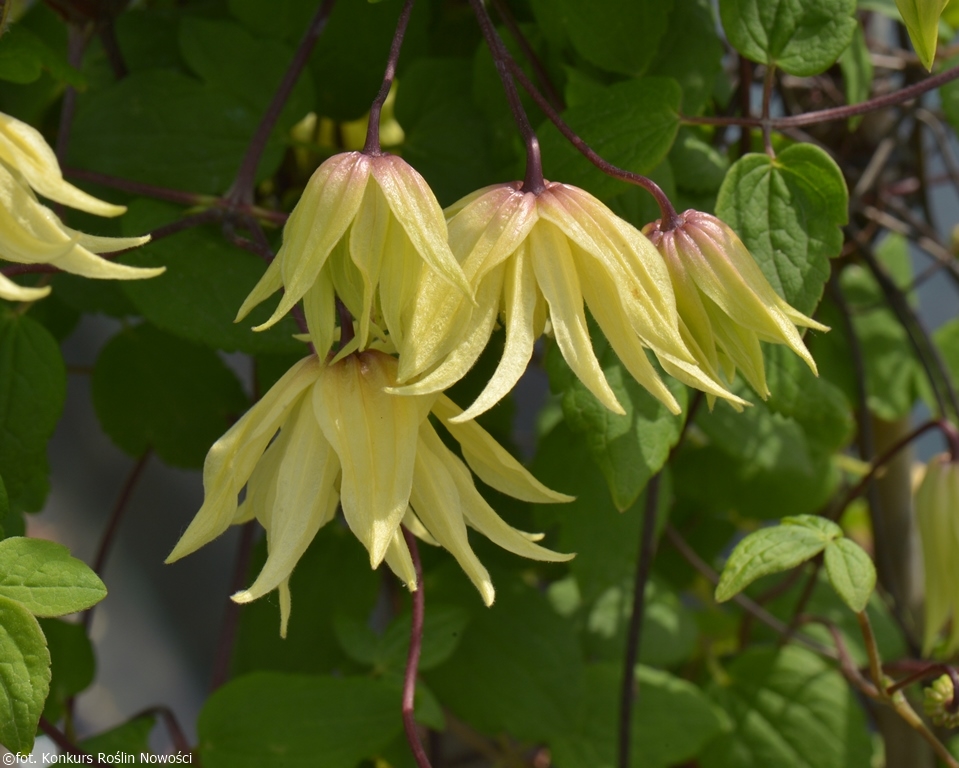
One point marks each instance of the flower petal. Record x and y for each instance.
(556, 276)
(10, 291)
(519, 296)
(400, 561)
(375, 436)
(471, 345)
(319, 307)
(23, 147)
(368, 237)
(481, 515)
(415, 207)
(491, 462)
(305, 499)
(233, 457)
(320, 219)
(437, 504)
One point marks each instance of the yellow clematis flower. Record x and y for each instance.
(725, 303)
(539, 257)
(362, 231)
(936, 506)
(30, 233)
(343, 439)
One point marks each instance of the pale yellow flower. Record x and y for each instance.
(363, 231)
(937, 515)
(30, 233)
(538, 257)
(343, 439)
(725, 303)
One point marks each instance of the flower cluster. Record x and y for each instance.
(354, 426)
(30, 233)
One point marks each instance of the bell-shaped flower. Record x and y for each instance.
(30, 233)
(344, 440)
(364, 229)
(726, 305)
(937, 514)
(538, 257)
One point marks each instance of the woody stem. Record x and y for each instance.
(372, 146)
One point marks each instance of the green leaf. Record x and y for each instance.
(205, 283)
(517, 669)
(281, 720)
(148, 38)
(24, 675)
(672, 721)
(790, 709)
(165, 128)
(32, 391)
(229, 58)
(43, 577)
(443, 627)
(802, 37)
(629, 449)
(152, 390)
(851, 572)
(617, 35)
(24, 57)
(770, 550)
(131, 737)
(697, 165)
(333, 578)
(691, 52)
(71, 662)
(788, 210)
(632, 124)
(921, 18)
(4, 508)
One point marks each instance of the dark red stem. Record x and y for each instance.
(533, 181)
(834, 113)
(241, 191)
(413, 658)
(670, 219)
(647, 550)
(231, 617)
(372, 146)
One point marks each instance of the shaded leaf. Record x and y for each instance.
(45, 579)
(851, 572)
(24, 675)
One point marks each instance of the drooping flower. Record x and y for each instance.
(30, 233)
(538, 257)
(726, 304)
(937, 515)
(343, 439)
(363, 230)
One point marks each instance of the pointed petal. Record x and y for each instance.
(266, 286)
(481, 515)
(399, 279)
(99, 244)
(328, 206)
(437, 504)
(368, 249)
(10, 291)
(415, 207)
(416, 527)
(375, 435)
(305, 500)
(80, 261)
(231, 460)
(491, 462)
(319, 307)
(623, 339)
(23, 147)
(399, 560)
(471, 345)
(519, 294)
(286, 606)
(557, 279)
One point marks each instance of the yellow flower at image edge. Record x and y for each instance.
(937, 515)
(343, 439)
(30, 233)
(538, 257)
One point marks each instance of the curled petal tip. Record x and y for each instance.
(243, 596)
